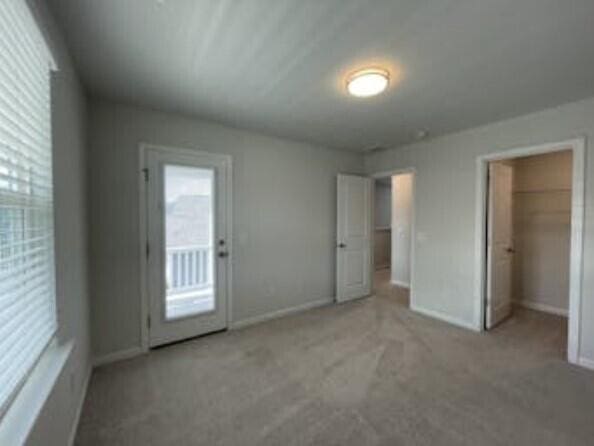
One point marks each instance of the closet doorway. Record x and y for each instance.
(393, 246)
(530, 242)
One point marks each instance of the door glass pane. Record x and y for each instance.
(189, 241)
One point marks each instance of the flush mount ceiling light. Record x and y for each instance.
(368, 82)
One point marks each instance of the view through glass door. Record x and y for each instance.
(187, 230)
(189, 241)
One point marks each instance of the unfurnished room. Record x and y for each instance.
(296, 222)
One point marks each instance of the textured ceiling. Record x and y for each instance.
(278, 66)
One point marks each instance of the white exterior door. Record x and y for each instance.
(499, 244)
(188, 243)
(353, 248)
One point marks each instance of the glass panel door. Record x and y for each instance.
(188, 231)
(189, 241)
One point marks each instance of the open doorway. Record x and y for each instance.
(392, 235)
(532, 242)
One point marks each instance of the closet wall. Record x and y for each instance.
(383, 217)
(542, 222)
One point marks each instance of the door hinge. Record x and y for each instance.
(148, 321)
(148, 249)
(145, 171)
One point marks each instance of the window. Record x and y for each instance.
(27, 285)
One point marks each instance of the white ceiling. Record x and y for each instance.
(278, 66)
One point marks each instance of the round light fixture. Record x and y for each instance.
(368, 82)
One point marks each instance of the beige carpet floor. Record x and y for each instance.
(370, 372)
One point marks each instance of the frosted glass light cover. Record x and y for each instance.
(366, 83)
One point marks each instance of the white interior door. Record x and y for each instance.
(353, 248)
(499, 244)
(189, 243)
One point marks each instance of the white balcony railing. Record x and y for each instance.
(188, 268)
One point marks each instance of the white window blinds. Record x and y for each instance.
(27, 290)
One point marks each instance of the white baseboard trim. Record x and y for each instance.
(400, 283)
(117, 356)
(79, 407)
(445, 318)
(280, 313)
(587, 363)
(545, 308)
(137, 351)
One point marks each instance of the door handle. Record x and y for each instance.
(510, 250)
(223, 254)
(342, 245)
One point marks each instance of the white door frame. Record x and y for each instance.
(413, 226)
(577, 146)
(144, 237)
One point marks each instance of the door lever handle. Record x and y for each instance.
(510, 250)
(223, 254)
(342, 245)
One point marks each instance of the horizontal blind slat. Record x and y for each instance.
(27, 169)
(10, 339)
(21, 306)
(20, 50)
(11, 135)
(11, 273)
(20, 95)
(15, 179)
(8, 152)
(26, 355)
(24, 359)
(12, 199)
(21, 132)
(33, 277)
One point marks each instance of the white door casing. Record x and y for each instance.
(402, 216)
(499, 244)
(353, 244)
(162, 329)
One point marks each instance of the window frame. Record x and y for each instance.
(53, 354)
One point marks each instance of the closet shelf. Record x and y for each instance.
(541, 191)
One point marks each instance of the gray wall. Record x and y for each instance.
(445, 198)
(54, 425)
(382, 222)
(383, 205)
(542, 230)
(284, 212)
